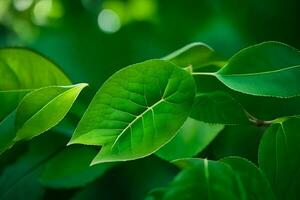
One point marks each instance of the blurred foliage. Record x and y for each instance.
(92, 39)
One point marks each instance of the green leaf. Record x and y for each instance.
(23, 69)
(65, 170)
(131, 113)
(196, 54)
(218, 107)
(255, 183)
(279, 158)
(266, 69)
(205, 180)
(259, 106)
(42, 109)
(190, 140)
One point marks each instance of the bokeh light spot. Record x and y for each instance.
(41, 11)
(22, 5)
(109, 21)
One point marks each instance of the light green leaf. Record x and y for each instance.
(137, 111)
(71, 168)
(42, 109)
(279, 158)
(204, 180)
(196, 54)
(23, 69)
(253, 180)
(266, 69)
(190, 140)
(218, 107)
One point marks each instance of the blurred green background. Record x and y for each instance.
(92, 39)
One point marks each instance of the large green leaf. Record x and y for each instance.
(203, 180)
(190, 140)
(279, 158)
(255, 183)
(266, 69)
(42, 109)
(196, 55)
(137, 111)
(71, 168)
(219, 108)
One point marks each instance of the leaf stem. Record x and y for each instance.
(258, 122)
(203, 73)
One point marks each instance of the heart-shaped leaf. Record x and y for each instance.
(137, 111)
(266, 69)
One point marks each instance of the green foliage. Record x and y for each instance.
(279, 158)
(34, 95)
(128, 115)
(190, 109)
(190, 140)
(69, 171)
(247, 73)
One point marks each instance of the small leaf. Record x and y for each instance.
(196, 55)
(219, 108)
(190, 140)
(266, 69)
(42, 109)
(206, 180)
(253, 180)
(65, 170)
(279, 158)
(137, 111)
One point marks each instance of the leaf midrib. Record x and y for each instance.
(256, 73)
(41, 109)
(136, 118)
